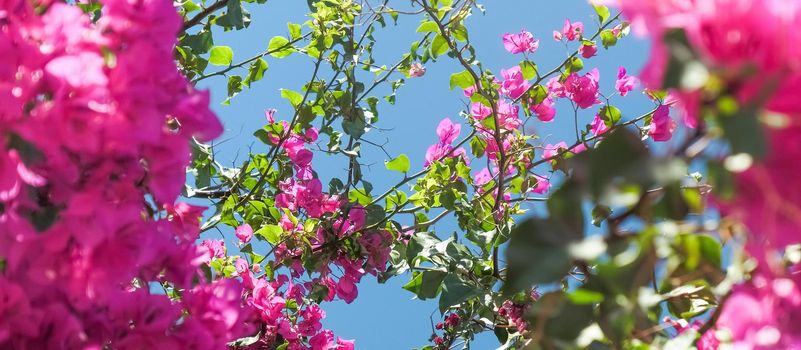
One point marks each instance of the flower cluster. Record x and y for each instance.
(743, 44)
(95, 126)
(763, 314)
(732, 39)
(285, 314)
(449, 328)
(313, 226)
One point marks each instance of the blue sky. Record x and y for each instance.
(386, 316)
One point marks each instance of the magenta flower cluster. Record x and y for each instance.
(95, 131)
(731, 39)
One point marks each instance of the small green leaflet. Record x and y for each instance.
(399, 164)
(221, 56)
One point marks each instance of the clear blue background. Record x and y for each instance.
(386, 316)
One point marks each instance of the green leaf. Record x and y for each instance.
(279, 47)
(271, 233)
(294, 30)
(621, 154)
(221, 56)
(235, 15)
(399, 164)
(560, 320)
(455, 292)
(234, 87)
(439, 46)
(256, 71)
(565, 207)
(603, 13)
(744, 133)
(190, 6)
(462, 80)
(200, 43)
(610, 115)
(584, 297)
(575, 64)
(294, 98)
(426, 284)
(528, 69)
(537, 254)
(478, 146)
(459, 32)
(428, 27)
(360, 195)
(608, 38)
(538, 94)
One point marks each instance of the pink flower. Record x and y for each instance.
(436, 152)
(480, 111)
(588, 49)
(417, 70)
(212, 248)
(17, 315)
(556, 87)
(452, 320)
(244, 232)
(625, 82)
(469, 91)
(583, 90)
(708, 341)
(513, 84)
(270, 115)
(322, 341)
(761, 314)
(482, 177)
(662, 125)
(84, 69)
(551, 151)
(520, 42)
(545, 110)
(215, 308)
(448, 131)
(312, 315)
(542, 186)
(598, 126)
(343, 344)
(572, 31)
(346, 289)
(557, 35)
(508, 115)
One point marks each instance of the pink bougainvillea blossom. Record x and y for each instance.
(583, 90)
(662, 125)
(447, 131)
(624, 83)
(113, 144)
(513, 84)
(520, 42)
(588, 49)
(544, 110)
(417, 70)
(572, 31)
(244, 233)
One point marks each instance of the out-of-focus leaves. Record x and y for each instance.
(560, 319)
(537, 254)
(744, 133)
